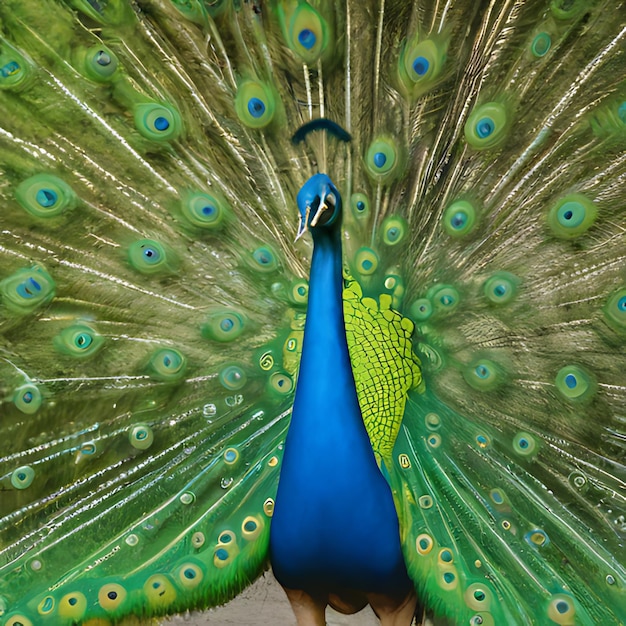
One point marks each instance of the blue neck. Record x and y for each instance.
(325, 363)
(334, 523)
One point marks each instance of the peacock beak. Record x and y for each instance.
(303, 223)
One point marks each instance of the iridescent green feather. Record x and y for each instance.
(152, 299)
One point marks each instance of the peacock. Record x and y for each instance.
(333, 287)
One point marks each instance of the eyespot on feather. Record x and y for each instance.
(487, 126)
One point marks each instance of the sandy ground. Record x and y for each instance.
(265, 604)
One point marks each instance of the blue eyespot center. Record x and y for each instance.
(562, 607)
(571, 214)
(102, 58)
(72, 601)
(393, 233)
(367, 264)
(570, 381)
(485, 127)
(380, 158)
(448, 577)
(523, 443)
(421, 66)
(189, 573)
(227, 324)
(10, 69)
(446, 556)
(256, 107)
(207, 209)
(28, 397)
(500, 290)
(28, 289)
(621, 112)
(307, 38)
(112, 595)
(221, 554)
(482, 371)
(250, 526)
(84, 340)
(46, 197)
(621, 304)
(263, 256)
(161, 123)
(459, 220)
(151, 255)
(360, 205)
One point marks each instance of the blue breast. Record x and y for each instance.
(334, 525)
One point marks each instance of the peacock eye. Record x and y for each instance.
(255, 104)
(394, 229)
(572, 216)
(424, 61)
(383, 159)
(141, 436)
(157, 122)
(23, 477)
(459, 218)
(100, 64)
(615, 309)
(366, 261)
(147, 256)
(78, 341)
(486, 126)
(308, 33)
(501, 288)
(14, 68)
(541, 45)
(167, 364)
(111, 596)
(27, 289)
(45, 196)
(224, 325)
(360, 205)
(232, 377)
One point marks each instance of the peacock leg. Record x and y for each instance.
(393, 611)
(309, 610)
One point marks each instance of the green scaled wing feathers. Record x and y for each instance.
(151, 310)
(152, 300)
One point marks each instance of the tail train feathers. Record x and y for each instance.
(152, 298)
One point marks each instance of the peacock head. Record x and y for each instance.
(319, 204)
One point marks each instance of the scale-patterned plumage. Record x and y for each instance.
(152, 298)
